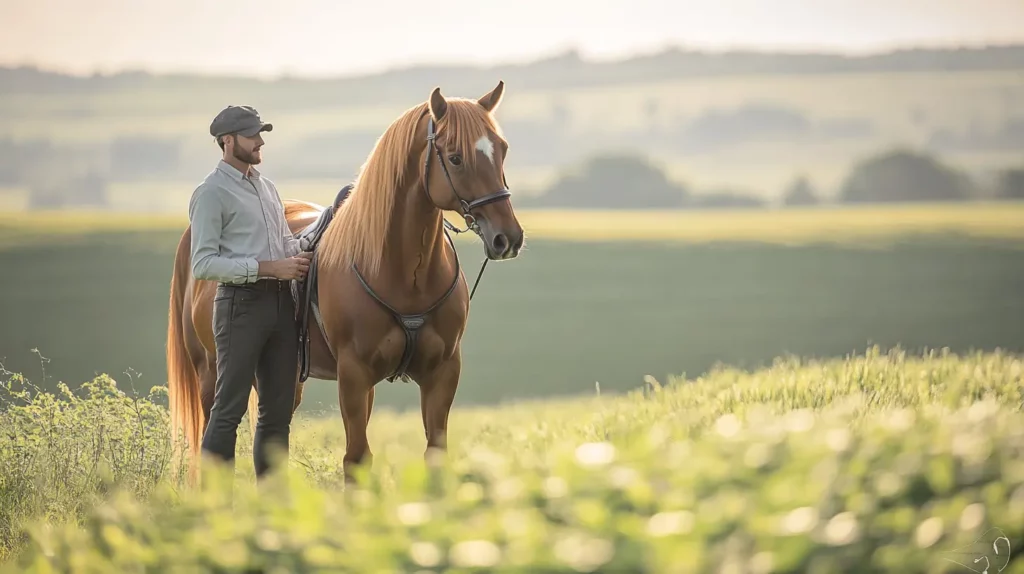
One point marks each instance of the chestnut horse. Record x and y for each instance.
(390, 299)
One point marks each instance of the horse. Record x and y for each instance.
(388, 292)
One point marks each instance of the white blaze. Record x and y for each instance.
(485, 145)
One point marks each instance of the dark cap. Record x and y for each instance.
(243, 120)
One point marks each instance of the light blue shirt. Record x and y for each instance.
(237, 221)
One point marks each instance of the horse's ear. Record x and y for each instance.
(438, 105)
(491, 100)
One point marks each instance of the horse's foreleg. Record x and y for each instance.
(355, 394)
(437, 393)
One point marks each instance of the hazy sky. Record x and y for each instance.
(318, 37)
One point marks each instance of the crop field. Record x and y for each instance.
(881, 462)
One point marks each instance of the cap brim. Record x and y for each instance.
(253, 131)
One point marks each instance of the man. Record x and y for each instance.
(241, 240)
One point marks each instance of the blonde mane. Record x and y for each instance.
(358, 232)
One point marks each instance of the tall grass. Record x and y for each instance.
(62, 453)
(883, 462)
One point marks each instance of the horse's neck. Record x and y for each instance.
(414, 256)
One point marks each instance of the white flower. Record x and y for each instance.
(595, 453)
(479, 553)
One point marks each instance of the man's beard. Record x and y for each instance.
(245, 156)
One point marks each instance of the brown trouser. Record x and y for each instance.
(256, 334)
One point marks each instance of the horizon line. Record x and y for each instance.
(537, 58)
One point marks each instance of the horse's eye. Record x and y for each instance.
(455, 159)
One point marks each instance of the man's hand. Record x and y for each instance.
(287, 269)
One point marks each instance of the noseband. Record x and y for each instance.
(411, 323)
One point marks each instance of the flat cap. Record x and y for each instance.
(243, 120)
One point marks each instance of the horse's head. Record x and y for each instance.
(470, 177)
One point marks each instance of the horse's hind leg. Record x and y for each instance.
(437, 393)
(355, 395)
(207, 385)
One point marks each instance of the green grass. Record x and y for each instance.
(883, 462)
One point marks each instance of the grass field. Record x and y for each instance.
(883, 462)
(662, 460)
(595, 298)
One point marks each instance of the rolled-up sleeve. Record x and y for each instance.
(292, 245)
(206, 215)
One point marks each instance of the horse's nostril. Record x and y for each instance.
(500, 244)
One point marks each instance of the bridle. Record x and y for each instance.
(409, 322)
(467, 206)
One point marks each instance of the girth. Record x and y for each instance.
(410, 323)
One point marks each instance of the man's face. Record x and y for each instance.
(247, 149)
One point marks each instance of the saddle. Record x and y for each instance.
(305, 292)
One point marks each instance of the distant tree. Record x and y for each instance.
(614, 181)
(800, 192)
(902, 175)
(1011, 184)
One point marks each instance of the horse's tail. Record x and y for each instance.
(182, 378)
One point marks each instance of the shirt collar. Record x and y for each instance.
(234, 173)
